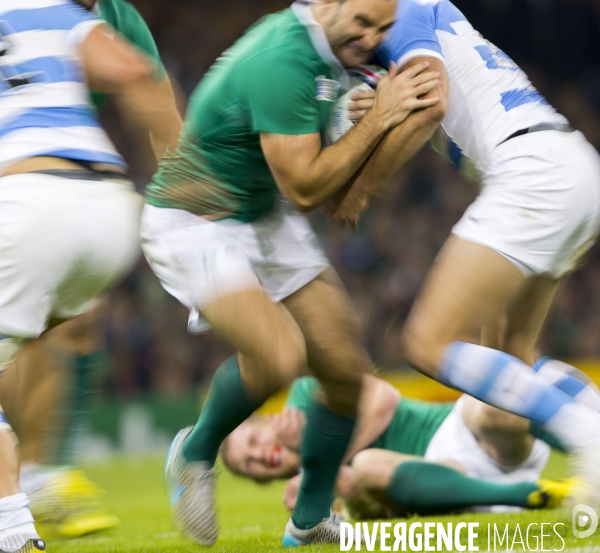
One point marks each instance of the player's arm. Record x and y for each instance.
(376, 410)
(308, 175)
(114, 66)
(168, 130)
(398, 146)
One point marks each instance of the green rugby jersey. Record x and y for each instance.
(410, 431)
(281, 77)
(125, 18)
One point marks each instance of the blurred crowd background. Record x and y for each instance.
(557, 42)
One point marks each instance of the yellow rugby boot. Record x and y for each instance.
(551, 493)
(68, 506)
(31, 546)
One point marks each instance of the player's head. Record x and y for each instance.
(355, 28)
(254, 450)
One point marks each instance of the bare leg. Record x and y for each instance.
(271, 354)
(9, 461)
(333, 337)
(271, 347)
(503, 436)
(468, 287)
(16, 522)
(471, 286)
(336, 357)
(38, 387)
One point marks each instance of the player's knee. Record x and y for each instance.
(419, 351)
(492, 420)
(371, 471)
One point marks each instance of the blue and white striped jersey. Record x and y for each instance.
(490, 96)
(45, 106)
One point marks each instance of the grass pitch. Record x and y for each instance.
(253, 517)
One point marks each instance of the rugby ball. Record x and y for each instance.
(364, 77)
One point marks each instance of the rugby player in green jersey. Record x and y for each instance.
(407, 456)
(222, 229)
(53, 374)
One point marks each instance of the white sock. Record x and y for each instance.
(506, 382)
(576, 425)
(570, 380)
(16, 522)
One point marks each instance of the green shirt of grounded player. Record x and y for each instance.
(280, 77)
(125, 18)
(411, 429)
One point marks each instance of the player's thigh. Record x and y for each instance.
(468, 286)
(334, 344)
(207, 266)
(503, 436)
(271, 345)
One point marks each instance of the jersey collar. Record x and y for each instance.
(303, 12)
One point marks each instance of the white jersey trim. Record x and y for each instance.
(417, 53)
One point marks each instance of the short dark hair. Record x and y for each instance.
(83, 5)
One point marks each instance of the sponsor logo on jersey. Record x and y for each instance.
(326, 90)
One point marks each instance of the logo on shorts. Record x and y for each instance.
(326, 90)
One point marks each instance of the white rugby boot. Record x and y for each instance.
(327, 531)
(191, 488)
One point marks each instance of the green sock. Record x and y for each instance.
(226, 407)
(426, 489)
(538, 431)
(326, 439)
(60, 449)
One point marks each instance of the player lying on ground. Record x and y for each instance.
(45, 390)
(70, 214)
(536, 216)
(220, 233)
(475, 454)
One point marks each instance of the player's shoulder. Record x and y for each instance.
(420, 6)
(289, 58)
(281, 35)
(438, 13)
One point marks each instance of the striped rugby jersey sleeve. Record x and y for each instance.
(414, 32)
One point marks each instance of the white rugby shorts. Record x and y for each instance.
(63, 242)
(198, 260)
(540, 202)
(453, 441)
